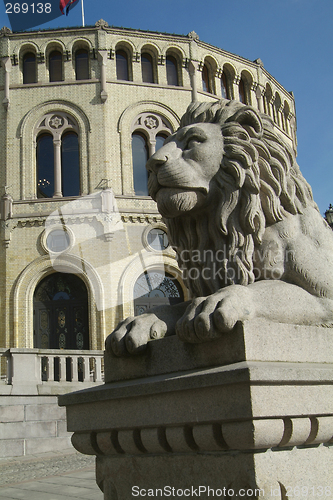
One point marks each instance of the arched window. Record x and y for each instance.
(160, 138)
(29, 68)
(268, 100)
(122, 65)
(224, 87)
(149, 131)
(156, 288)
(61, 313)
(140, 154)
(241, 90)
(70, 164)
(45, 166)
(277, 108)
(205, 79)
(58, 159)
(147, 68)
(171, 70)
(81, 64)
(286, 117)
(55, 66)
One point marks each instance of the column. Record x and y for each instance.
(7, 65)
(152, 147)
(102, 58)
(57, 168)
(236, 87)
(193, 70)
(260, 92)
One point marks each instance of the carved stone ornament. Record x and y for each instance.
(5, 31)
(193, 35)
(56, 122)
(151, 122)
(259, 62)
(238, 211)
(101, 24)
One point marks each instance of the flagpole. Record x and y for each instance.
(82, 13)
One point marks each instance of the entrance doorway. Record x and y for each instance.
(61, 313)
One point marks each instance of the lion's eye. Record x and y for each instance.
(193, 141)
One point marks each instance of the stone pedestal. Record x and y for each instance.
(253, 410)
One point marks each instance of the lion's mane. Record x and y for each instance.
(259, 183)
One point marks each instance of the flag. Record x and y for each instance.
(66, 5)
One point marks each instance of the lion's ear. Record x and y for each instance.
(248, 118)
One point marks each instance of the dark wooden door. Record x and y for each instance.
(61, 313)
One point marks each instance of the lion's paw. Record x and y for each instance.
(206, 318)
(132, 335)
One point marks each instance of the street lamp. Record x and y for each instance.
(329, 216)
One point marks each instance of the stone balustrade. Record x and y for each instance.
(3, 366)
(48, 371)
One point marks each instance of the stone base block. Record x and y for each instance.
(263, 422)
(31, 424)
(11, 448)
(270, 474)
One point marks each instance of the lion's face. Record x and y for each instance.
(182, 170)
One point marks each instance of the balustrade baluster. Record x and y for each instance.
(62, 368)
(86, 369)
(50, 371)
(75, 368)
(98, 369)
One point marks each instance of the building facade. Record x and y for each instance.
(82, 244)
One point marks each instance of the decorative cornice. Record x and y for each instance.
(249, 435)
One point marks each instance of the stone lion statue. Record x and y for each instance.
(249, 237)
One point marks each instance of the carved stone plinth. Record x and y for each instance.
(251, 410)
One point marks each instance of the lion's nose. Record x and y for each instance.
(155, 161)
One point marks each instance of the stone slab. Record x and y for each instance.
(11, 448)
(238, 391)
(24, 430)
(44, 445)
(12, 413)
(26, 400)
(62, 428)
(45, 412)
(255, 340)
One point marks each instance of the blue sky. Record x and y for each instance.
(293, 38)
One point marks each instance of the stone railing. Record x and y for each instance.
(46, 371)
(4, 366)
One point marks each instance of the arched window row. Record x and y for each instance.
(57, 157)
(149, 132)
(55, 64)
(279, 111)
(149, 70)
(242, 88)
(56, 57)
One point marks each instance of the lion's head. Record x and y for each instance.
(219, 181)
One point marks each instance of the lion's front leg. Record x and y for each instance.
(206, 318)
